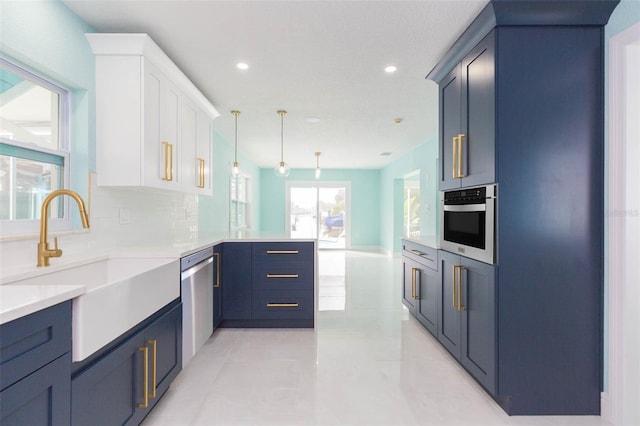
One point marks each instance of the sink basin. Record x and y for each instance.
(120, 293)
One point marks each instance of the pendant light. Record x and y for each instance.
(235, 170)
(318, 165)
(282, 169)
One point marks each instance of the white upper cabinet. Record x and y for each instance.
(153, 125)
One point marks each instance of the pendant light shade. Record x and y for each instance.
(282, 169)
(318, 165)
(235, 170)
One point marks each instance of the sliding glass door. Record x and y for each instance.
(319, 210)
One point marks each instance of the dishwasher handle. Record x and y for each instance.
(195, 268)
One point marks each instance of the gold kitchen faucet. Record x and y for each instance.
(44, 253)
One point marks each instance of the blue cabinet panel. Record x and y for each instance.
(236, 281)
(217, 285)
(282, 251)
(409, 285)
(467, 119)
(450, 127)
(478, 114)
(550, 241)
(42, 398)
(283, 276)
(449, 328)
(478, 320)
(290, 304)
(108, 392)
(421, 283)
(112, 390)
(35, 368)
(468, 316)
(28, 343)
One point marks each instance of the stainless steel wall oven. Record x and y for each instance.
(467, 222)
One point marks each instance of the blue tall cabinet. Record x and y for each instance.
(522, 106)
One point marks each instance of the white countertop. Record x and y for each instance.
(19, 298)
(426, 240)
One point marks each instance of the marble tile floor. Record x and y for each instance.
(368, 362)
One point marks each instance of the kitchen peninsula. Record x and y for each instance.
(113, 324)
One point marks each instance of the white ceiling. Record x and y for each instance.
(321, 59)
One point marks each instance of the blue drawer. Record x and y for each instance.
(424, 255)
(282, 305)
(28, 343)
(283, 276)
(283, 252)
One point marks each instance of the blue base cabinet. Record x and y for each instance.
(217, 285)
(35, 368)
(123, 385)
(421, 284)
(268, 284)
(236, 281)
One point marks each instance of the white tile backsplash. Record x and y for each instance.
(154, 216)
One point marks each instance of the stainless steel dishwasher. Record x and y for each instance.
(196, 282)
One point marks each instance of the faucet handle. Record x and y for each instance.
(56, 252)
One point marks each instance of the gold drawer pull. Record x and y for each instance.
(282, 275)
(218, 267)
(282, 251)
(282, 305)
(145, 384)
(154, 370)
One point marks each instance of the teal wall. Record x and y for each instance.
(365, 200)
(424, 159)
(49, 39)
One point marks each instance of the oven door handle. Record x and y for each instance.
(465, 208)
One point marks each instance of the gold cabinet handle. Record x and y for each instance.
(282, 305)
(282, 251)
(165, 149)
(413, 283)
(145, 385)
(200, 172)
(457, 279)
(460, 174)
(170, 162)
(217, 283)
(154, 368)
(453, 286)
(454, 147)
(282, 275)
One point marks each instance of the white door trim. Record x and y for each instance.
(615, 403)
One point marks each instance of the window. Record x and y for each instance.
(34, 148)
(412, 205)
(239, 218)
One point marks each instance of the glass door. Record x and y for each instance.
(319, 211)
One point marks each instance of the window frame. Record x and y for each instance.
(233, 200)
(15, 227)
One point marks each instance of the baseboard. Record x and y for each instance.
(606, 408)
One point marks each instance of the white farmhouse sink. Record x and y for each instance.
(119, 294)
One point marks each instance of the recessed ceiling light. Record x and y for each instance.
(389, 69)
(385, 154)
(242, 66)
(312, 120)
(397, 120)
